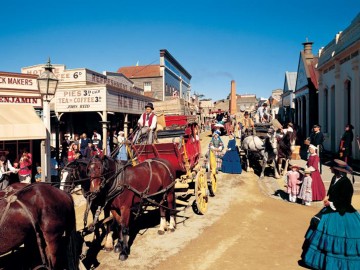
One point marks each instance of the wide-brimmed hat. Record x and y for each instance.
(150, 105)
(316, 126)
(340, 166)
(121, 132)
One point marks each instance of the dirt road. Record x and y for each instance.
(243, 229)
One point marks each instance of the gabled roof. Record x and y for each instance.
(307, 71)
(313, 73)
(140, 71)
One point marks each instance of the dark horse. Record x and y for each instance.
(42, 218)
(285, 148)
(76, 173)
(132, 187)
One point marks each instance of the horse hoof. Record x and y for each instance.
(172, 230)
(161, 232)
(108, 249)
(117, 248)
(123, 257)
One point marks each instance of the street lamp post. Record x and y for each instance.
(47, 84)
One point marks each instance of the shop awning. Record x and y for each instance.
(20, 122)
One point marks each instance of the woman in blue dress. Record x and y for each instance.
(332, 241)
(231, 162)
(122, 154)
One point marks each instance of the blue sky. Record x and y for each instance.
(252, 42)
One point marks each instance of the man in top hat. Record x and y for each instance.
(147, 124)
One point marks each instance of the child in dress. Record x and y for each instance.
(293, 182)
(306, 190)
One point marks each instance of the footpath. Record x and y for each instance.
(277, 190)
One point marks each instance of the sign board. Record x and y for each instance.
(85, 76)
(80, 100)
(34, 101)
(15, 82)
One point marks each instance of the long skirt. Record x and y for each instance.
(231, 162)
(335, 243)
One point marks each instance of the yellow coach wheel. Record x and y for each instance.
(213, 181)
(201, 199)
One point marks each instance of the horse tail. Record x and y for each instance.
(75, 240)
(73, 250)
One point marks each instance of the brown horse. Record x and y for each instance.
(150, 182)
(38, 216)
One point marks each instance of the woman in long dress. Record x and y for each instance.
(216, 145)
(332, 241)
(231, 162)
(318, 187)
(122, 155)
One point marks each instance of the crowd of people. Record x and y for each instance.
(333, 238)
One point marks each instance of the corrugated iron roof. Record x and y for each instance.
(140, 71)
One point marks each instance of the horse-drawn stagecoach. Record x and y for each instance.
(150, 178)
(179, 143)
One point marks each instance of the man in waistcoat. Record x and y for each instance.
(147, 124)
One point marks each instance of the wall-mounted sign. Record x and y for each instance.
(80, 100)
(34, 101)
(12, 82)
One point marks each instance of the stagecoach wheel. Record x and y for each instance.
(212, 185)
(201, 198)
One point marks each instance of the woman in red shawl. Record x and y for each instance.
(318, 188)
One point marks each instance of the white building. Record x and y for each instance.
(339, 86)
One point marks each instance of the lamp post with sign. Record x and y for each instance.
(47, 84)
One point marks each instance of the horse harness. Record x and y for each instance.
(118, 187)
(12, 198)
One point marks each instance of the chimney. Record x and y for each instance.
(232, 108)
(308, 47)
